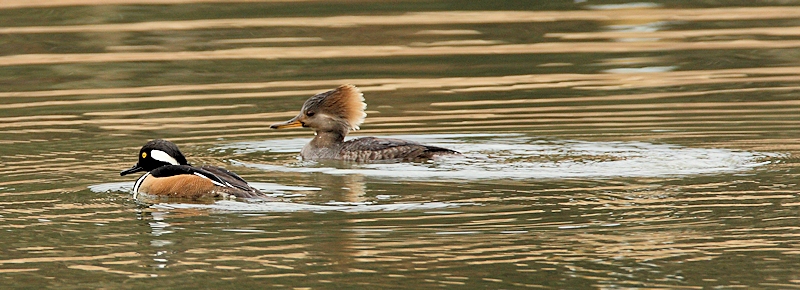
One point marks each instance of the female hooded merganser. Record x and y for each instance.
(169, 175)
(332, 114)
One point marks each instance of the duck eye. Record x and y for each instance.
(310, 113)
(144, 154)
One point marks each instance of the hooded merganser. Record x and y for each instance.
(334, 113)
(169, 175)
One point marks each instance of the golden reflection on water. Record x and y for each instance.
(64, 259)
(55, 3)
(496, 113)
(610, 81)
(331, 52)
(500, 83)
(770, 31)
(431, 18)
(62, 135)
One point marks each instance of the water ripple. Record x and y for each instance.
(236, 206)
(512, 156)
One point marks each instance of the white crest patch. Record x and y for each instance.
(163, 157)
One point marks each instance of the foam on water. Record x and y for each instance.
(485, 156)
(512, 156)
(273, 188)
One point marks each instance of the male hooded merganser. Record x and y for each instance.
(169, 175)
(332, 114)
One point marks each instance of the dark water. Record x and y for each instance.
(607, 145)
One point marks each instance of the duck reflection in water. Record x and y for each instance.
(333, 114)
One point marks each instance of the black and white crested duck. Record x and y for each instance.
(170, 175)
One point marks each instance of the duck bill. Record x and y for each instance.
(134, 169)
(293, 123)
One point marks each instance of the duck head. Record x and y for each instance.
(339, 110)
(155, 154)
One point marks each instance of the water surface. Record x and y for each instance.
(605, 144)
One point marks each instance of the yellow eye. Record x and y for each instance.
(144, 154)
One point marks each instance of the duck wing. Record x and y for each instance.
(232, 183)
(372, 149)
(233, 180)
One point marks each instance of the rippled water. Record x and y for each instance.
(513, 156)
(605, 144)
